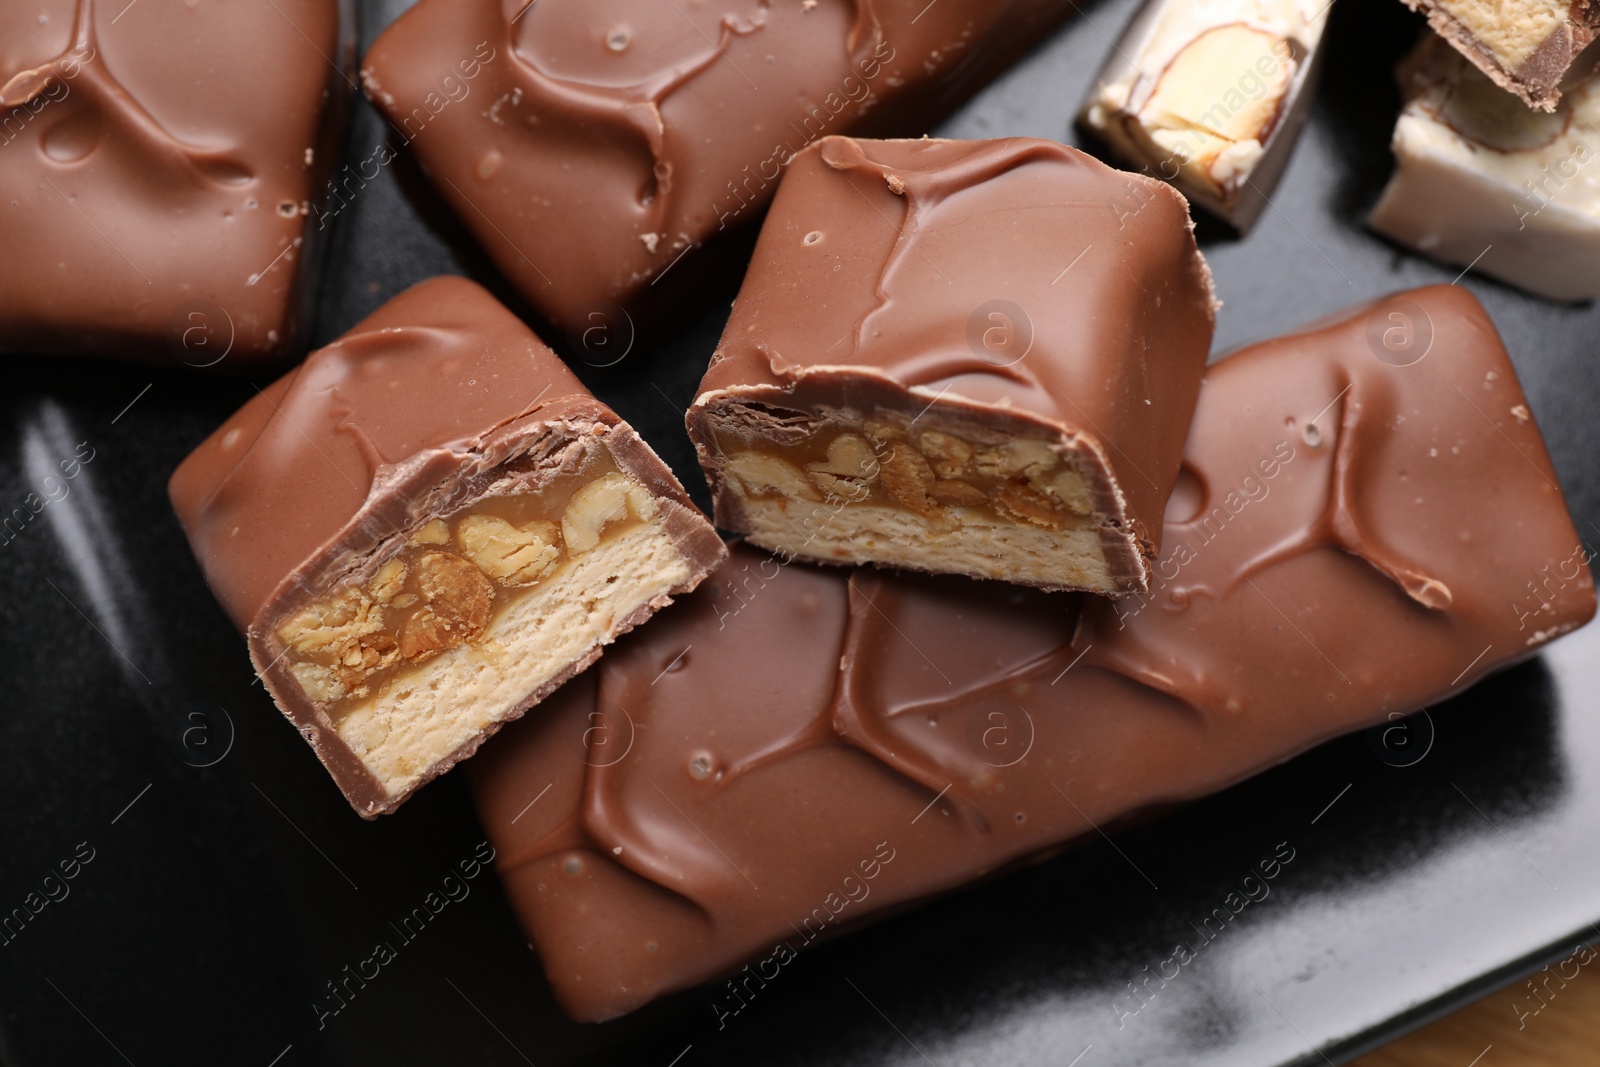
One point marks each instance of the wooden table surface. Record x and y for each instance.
(1565, 1032)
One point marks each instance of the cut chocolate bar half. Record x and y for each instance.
(1527, 46)
(1212, 96)
(970, 357)
(1483, 182)
(426, 529)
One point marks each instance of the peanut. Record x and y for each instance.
(958, 494)
(603, 501)
(906, 477)
(513, 556)
(949, 456)
(762, 474)
(457, 598)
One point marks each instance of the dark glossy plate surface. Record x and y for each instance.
(229, 882)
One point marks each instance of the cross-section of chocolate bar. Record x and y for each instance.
(1212, 96)
(1329, 560)
(595, 146)
(426, 529)
(972, 357)
(158, 165)
(1527, 46)
(1483, 182)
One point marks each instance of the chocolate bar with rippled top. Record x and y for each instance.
(157, 208)
(1329, 560)
(426, 529)
(592, 146)
(970, 357)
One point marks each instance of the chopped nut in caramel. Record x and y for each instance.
(600, 503)
(511, 555)
(762, 473)
(456, 600)
(906, 477)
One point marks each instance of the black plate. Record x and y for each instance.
(229, 882)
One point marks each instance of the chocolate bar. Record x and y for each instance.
(1211, 96)
(1329, 561)
(593, 147)
(157, 208)
(977, 357)
(1527, 47)
(426, 529)
(1485, 183)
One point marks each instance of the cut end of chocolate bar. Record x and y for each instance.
(1018, 337)
(1484, 182)
(1211, 97)
(1528, 47)
(918, 484)
(452, 627)
(427, 529)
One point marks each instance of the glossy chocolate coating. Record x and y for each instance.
(589, 144)
(1393, 534)
(404, 418)
(878, 267)
(158, 164)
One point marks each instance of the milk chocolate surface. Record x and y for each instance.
(1368, 522)
(158, 166)
(426, 528)
(1011, 335)
(590, 146)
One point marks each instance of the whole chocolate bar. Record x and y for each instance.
(1527, 46)
(1329, 560)
(158, 208)
(1211, 96)
(1484, 183)
(977, 357)
(591, 145)
(427, 528)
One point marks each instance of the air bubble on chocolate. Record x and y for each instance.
(572, 865)
(287, 209)
(701, 765)
(814, 237)
(488, 165)
(618, 39)
(73, 139)
(1312, 435)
